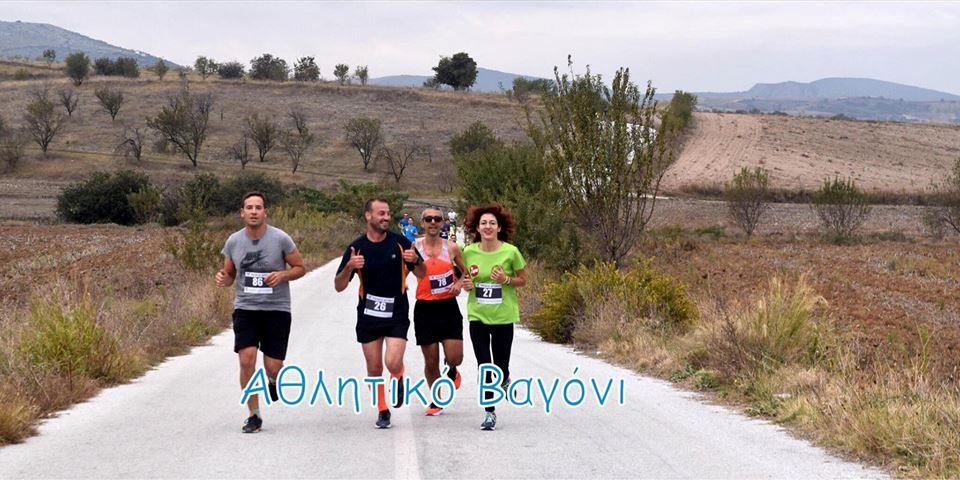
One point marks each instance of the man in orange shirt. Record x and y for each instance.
(436, 315)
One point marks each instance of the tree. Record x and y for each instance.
(747, 198)
(230, 70)
(69, 99)
(126, 67)
(476, 137)
(131, 143)
(205, 66)
(297, 141)
(398, 158)
(362, 74)
(111, 100)
(342, 72)
(50, 55)
(680, 111)
(306, 70)
(523, 87)
(460, 71)
(41, 120)
(364, 135)
(240, 152)
(268, 67)
(604, 156)
(841, 207)
(183, 122)
(160, 68)
(263, 131)
(77, 67)
(103, 66)
(946, 209)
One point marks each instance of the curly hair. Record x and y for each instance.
(504, 220)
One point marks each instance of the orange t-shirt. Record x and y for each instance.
(438, 282)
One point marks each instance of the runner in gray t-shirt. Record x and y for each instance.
(257, 257)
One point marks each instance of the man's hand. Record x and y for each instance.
(467, 283)
(411, 256)
(274, 278)
(223, 280)
(356, 260)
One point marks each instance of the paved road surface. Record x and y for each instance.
(182, 420)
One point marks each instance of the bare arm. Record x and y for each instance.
(227, 274)
(342, 279)
(295, 271)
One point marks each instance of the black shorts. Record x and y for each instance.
(370, 331)
(437, 320)
(268, 330)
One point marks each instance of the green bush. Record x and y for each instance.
(102, 198)
(227, 199)
(195, 248)
(67, 340)
(658, 302)
(145, 204)
(841, 207)
(22, 74)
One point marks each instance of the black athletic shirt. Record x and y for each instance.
(383, 277)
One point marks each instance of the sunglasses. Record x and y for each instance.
(436, 219)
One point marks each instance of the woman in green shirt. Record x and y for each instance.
(495, 270)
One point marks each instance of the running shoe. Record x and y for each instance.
(433, 410)
(400, 393)
(252, 425)
(489, 421)
(272, 388)
(383, 419)
(457, 379)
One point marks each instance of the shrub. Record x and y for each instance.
(11, 151)
(160, 68)
(475, 137)
(145, 204)
(841, 207)
(195, 247)
(227, 199)
(102, 198)
(77, 67)
(652, 300)
(747, 198)
(231, 70)
(946, 211)
(22, 74)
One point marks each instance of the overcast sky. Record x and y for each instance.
(717, 46)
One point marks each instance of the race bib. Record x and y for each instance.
(380, 307)
(489, 293)
(256, 283)
(441, 283)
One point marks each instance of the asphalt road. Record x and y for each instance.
(183, 419)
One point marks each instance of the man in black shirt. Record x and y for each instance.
(381, 259)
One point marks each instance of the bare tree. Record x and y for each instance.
(183, 122)
(747, 198)
(364, 135)
(69, 99)
(946, 209)
(240, 152)
(264, 132)
(41, 121)
(400, 157)
(297, 141)
(111, 100)
(131, 143)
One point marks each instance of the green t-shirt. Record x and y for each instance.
(490, 302)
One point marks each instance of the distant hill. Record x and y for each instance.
(840, 88)
(857, 98)
(487, 80)
(29, 40)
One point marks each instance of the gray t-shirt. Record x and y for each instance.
(255, 259)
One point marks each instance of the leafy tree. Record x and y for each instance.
(77, 67)
(160, 68)
(111, 100)
(206, 66)
(523, 87)
(476, 137)
(183, 122)
(364, 134)
(842, 208)
(263, 131)
(306, 69)
(126, 67)
(680, 111)
(41, 121)
(459, 71)
(49, 55)
(103, 66)
(268, 67)
(362, 74)
(604, 156)
(747, 198)
(230, 70)
(69, 99)
(342, 72)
